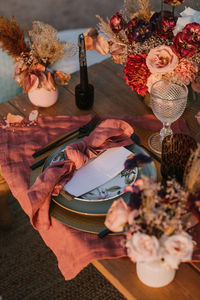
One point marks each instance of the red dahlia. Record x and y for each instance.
(136, 73)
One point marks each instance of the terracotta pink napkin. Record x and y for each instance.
(110, 133)
(74, 249)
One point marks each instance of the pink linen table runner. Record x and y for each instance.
(74, 249)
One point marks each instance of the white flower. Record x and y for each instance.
(142, 247)
(176, 249)
(117, 216)
(188, 16)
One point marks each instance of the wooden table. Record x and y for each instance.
(114, 98)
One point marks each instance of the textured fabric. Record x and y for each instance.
(109, 133)
(74, 249)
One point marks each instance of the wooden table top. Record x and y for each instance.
(114, 98)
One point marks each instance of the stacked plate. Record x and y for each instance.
(87, 213)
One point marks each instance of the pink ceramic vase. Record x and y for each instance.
(43, 98)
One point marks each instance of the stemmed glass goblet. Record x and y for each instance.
(168, 101)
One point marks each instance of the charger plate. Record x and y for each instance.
(97, 207)
(90, 224)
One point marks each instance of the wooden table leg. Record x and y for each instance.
(5, 215)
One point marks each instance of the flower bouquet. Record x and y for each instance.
(152, 45)
(157, 218)
(33, 55)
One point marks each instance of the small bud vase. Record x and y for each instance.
(43, 98)
(155, 273)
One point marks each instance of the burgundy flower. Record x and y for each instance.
(174, 2)
(163, 24)
(137, 161)
(131, 24)
(155, 20)
(117, 22)
(138, 31)
(182, 46)
(193, 30)
(136, 73)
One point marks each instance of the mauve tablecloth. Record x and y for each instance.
(74, 249)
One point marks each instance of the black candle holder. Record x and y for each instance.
(84, 92)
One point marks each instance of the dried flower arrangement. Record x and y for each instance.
(157, 217)
(153, 45)
(32, 57)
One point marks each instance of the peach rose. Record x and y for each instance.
(117, 216)
(142, 247)
(89, 43)
(161, 60)
(117, 51)
(99, 43)
(152, 79)
(176, 248)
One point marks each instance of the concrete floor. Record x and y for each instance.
(65, 14)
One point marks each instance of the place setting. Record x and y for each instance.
(111, 166)
(94, 187)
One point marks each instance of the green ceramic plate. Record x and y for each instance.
(96, 207)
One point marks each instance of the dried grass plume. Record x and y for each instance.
(138, 8)
(46, 44)
(12, 37)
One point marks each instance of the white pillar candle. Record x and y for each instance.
(154, 274)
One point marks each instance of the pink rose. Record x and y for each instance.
(117, 216)
(142, 247)
(161, 60)
(176, 248)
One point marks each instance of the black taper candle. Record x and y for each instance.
(84, 92)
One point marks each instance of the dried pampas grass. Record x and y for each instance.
(12, 37)
(46, 44)
(138, 8)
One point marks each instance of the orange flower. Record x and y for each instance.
(136, 73)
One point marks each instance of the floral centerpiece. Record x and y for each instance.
(157, 218)
(152, 45)
(34, 54)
